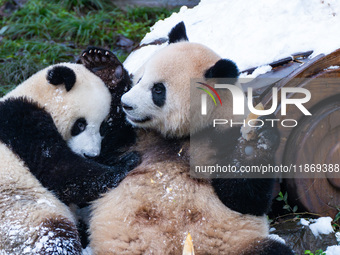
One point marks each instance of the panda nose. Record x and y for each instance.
(127, 107)
(89, 156)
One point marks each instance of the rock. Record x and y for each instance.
(125, 43)
(301, 238)
(156, 3)
(9, 7)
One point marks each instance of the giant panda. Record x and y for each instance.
(158, 204)
(49, 125)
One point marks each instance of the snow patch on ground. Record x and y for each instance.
(322, 226)
(319, 226)
(333, 250)
(337, 236)
(304, 222)
(252, 33)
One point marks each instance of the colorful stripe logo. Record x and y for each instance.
(209, 93)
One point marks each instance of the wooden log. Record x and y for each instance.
(316, 140)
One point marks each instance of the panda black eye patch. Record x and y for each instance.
(103, 128)
(78, 127)
(158, 94)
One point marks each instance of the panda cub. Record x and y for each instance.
(49, 124)
(155, 207)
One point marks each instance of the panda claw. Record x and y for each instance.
(104, 64)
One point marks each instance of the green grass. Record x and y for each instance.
(42, 33)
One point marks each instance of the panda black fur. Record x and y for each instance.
(39, 121)
(158, 203)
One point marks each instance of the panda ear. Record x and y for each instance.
(224, 68)
(61, 75)
(178, 33)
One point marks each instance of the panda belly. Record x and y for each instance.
(33, 220)
(157, 205)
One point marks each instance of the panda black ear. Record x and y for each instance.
(224, 68)
(178, 33)
(61, 75)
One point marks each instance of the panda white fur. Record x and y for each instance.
(58, 109)
(155, 207)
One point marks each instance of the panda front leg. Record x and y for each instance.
(253, 195)
(92, 179)
(32, 135)
(268, 246)
(250, 195)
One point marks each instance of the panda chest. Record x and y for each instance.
(167, 194)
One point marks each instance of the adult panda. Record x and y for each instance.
(49, 124)
(159, 203)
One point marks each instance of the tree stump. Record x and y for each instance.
(316, 139)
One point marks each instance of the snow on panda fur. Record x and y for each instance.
(158, 203)
(58, 108)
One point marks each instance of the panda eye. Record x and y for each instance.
(78, 127)
(158, 88)
(159, 94)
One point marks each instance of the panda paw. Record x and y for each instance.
(268, 136)
(104, 64)
(264, 143)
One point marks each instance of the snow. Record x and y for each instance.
(260, 70)
(322, 226)
(252, 33)
(45, 201)
(304, 222)
(51, 243)
(333, 250)
(333, 67)
(58, 95)
(337, 236)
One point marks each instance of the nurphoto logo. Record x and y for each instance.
(239, 100)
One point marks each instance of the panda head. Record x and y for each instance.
(160, 96)
(77, 100)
